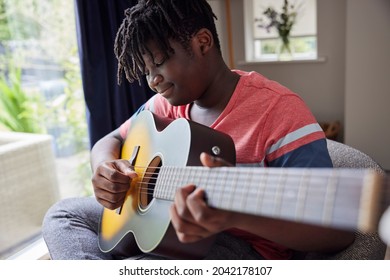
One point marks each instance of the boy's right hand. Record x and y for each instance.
(111, 181)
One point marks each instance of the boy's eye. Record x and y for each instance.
(157, 63)
(160, 61)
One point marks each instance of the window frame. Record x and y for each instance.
(250, 53)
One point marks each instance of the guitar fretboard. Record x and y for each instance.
(324, 196)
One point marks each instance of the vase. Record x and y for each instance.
(285, 50)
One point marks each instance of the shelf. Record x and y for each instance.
(278, 62)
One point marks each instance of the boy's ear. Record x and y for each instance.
(204, 40)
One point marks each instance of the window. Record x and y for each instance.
(265, 45)
(40, 93)
(39, 64)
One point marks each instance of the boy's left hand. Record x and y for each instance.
(191, 217)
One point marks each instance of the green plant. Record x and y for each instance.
(282, 21)
(19, 110)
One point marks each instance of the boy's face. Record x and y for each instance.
(178, 78)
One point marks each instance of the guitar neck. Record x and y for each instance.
(342, 198)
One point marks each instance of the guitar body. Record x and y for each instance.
(143, 222)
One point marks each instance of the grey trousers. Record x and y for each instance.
(70, 230)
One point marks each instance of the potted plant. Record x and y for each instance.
(283, 22)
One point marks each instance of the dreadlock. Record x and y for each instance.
(160, 21)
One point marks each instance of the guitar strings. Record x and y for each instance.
(265, 197)
(147, 188)
(347, 210)
(154, 176)
(307, 208)
(246, 170)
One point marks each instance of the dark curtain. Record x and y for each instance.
(108, 104)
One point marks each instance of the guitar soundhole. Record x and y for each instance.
(149, 182)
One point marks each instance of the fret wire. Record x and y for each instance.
(219, 179)
(180, 179)
(248, 190)
(242, 191)
(279, 192)
(224, 184)
(217, 186)
(176, 179)
(302, 195)
(234, 190)
(227, 194)
(188, 177)
(172, 181)
(224, 177)
(165, 191)
(330, 195)
(192, 179)
(210, 184)
(200, 176)
(269, 194)
(168, 182)
(261, 191)
(211, 187)
(207, 181)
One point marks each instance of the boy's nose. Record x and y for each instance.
(154, 80)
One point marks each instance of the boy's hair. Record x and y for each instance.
(159, 21)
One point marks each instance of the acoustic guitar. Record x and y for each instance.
(165, 155)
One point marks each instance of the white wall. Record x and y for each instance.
(219, 9)
(367, 96)
(352, 85)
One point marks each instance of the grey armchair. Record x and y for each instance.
(366, 246)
